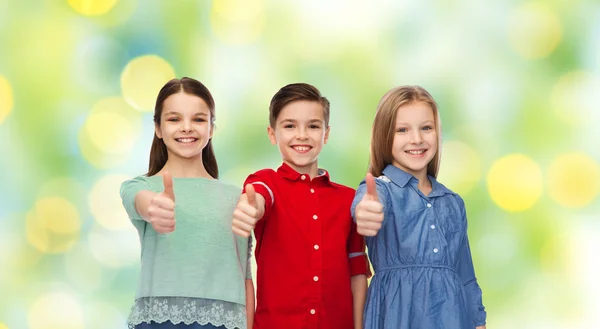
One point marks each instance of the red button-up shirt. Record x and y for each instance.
(307, 249)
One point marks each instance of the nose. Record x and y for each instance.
(301, 133)
(186, 126)
(416, 137)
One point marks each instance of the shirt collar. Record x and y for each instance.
(401, 178)
(289, 173)
(397, 175)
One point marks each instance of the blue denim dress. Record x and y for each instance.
(424, 275)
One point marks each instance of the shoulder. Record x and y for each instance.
(342, 191)
(382, 180)
(446, 190)
(136, 183)
(263, 174)
(342, 188)
(451, 196)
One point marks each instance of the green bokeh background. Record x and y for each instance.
(517, 82)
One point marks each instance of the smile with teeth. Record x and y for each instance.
(301, 148)
(186, 139)
(415, 152)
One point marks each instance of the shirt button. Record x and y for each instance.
(432, 227)
(315, 217)
(429, 205)
(313, 311)
(302, 177)
(316, 247)
(312, 190)
(435, 250)
(315, 278)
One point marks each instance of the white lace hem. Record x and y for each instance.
(187, 310)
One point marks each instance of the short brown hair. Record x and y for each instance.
(384, 127)
(296, 92)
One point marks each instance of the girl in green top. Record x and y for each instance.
(195, 273)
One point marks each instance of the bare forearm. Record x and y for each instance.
(359, 295)
(249, 303)
(142, 201)
(480, 327)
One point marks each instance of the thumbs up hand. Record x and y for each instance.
(369, 211)
(248, 212)
(161, 210)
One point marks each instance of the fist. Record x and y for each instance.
(246, 213)
(369, 211)
(161, 210)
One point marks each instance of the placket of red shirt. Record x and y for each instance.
(316, 253)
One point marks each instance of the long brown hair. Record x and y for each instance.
(158, 150)
(384, 127)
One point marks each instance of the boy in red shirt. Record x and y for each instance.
(312, 267)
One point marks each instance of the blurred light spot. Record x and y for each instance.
(6, 99)
(114, 248)
(105, 203)
(57, 215)
(3, 326)
(83, 271)
(584, 271)
(92, 7)
(142, 79)
(237, 21)
(534, 30)
(53, 225)
(110, 132)
(461, 169)
(104, 315)
(515, 182)
(573, 180)
(56, 311)
(575, 98)
(95, 156)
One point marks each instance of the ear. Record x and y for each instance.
(157, 131)
(212, 130)
(272, 137)
(326, 135)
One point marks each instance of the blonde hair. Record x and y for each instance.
(384, 127)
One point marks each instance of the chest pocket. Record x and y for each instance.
(450, 219)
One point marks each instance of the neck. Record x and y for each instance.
(424, 184)
(185, 168)
(311, 170)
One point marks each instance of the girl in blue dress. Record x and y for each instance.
(416, 228)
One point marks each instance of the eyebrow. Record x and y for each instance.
(422, 123)
(294, 121)
(200, 114)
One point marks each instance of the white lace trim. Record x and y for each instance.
(188, 311)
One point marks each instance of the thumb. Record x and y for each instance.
(251, 195)
(168, 184)
(371, 188)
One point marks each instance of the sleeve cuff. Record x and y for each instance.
(359, 265)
